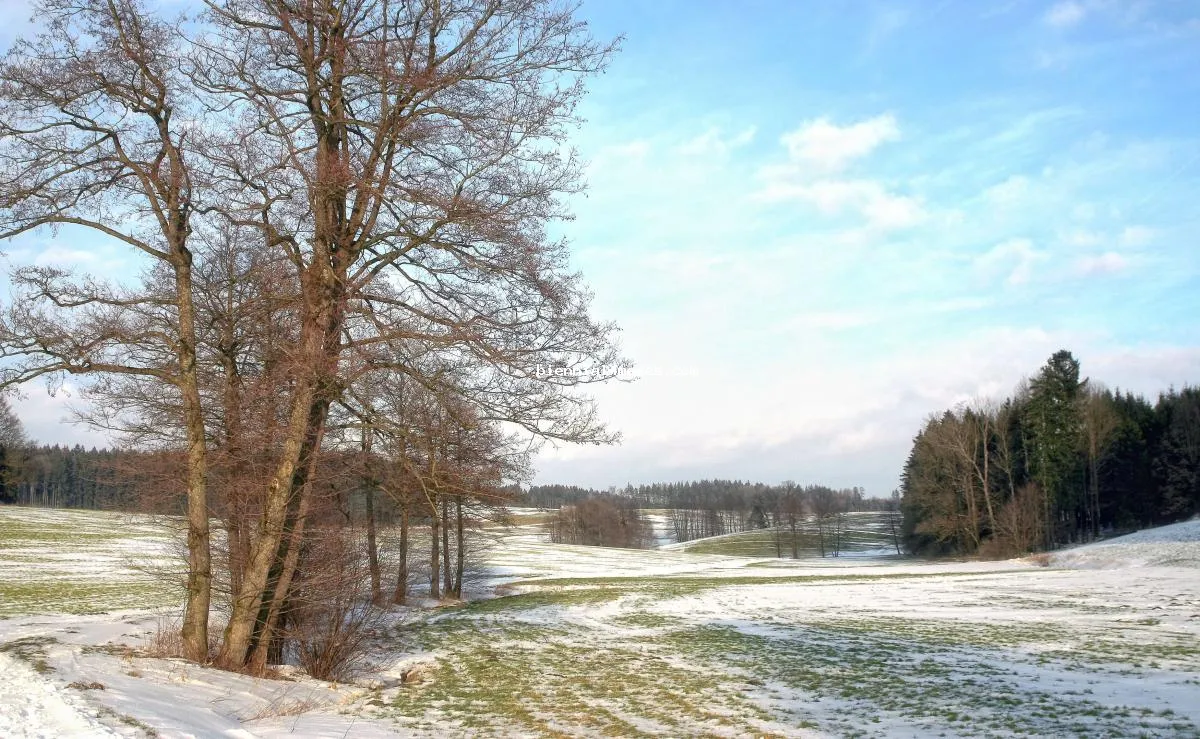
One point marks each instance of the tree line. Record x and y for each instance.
(1063, 460)
(705, 508)
(337, 217)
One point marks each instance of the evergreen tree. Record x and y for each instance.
(1059, 461)
(1177, 464)
(1055, 424)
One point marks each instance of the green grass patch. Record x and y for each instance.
(529, 679)
(81, 598)
(79, 562)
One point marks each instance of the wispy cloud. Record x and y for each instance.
(1065, 14)
(714, 142)
(1108, 263)
(1014, 258)
(868, 198)
(885, 23)
(818, 153)
(1137, 236)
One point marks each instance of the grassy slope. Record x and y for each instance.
(81, 562)
(708, 646)
(613, 657)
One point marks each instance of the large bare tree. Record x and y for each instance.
(322, 192)
(404, 156)
(94, 133)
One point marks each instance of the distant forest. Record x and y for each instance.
(1063, 460)
(70, 477)
(64, 477)
(76, 477)
(695, 510)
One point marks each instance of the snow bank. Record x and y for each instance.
(31, 706)
(1177, 545)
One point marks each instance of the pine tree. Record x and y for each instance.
(1055, 425)
(1177, 464)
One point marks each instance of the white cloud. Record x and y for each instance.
(1009, 192)
(1101, 264)
(817, 152)
(1137, 236)
(1083, 238)
(713, 142)
(887, 211)
(881, 208)
(1014, 257)
(59, 256)
(1065, 14)
(829, 196)
(828, 147)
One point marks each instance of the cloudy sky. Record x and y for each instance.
(840, 217)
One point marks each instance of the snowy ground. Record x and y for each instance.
(591, 642)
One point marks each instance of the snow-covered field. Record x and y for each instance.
(589, 641)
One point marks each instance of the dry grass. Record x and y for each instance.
(167, 639)
(86, 685)
(283, 705)
(1041, 559)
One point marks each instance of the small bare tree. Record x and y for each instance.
(1100, 421)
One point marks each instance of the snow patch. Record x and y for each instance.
(1176, 545)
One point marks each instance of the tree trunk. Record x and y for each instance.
(270, 616)
(302, 433)
(372, 547)
(199, 582)
(435, 575)
(461, 551)
(447, 571)
(401, 593)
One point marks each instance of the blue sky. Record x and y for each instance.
(845, 216)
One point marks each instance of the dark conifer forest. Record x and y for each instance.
(1063, 460)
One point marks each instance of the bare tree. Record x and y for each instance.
(12, 445)
(95, 129)
(325, 194)
(895, 519)
(1100, 422)
(409, 140)
(1020, 523)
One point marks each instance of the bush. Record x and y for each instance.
(331, 616)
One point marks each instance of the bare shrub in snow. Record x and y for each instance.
(167, 639)
(330, 618)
